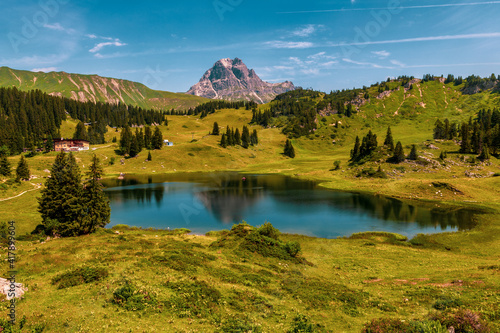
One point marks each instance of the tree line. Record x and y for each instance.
(133, 143)
(32, 119)
(232, 137)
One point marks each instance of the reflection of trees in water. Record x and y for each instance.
(141, 195)
(230, 194)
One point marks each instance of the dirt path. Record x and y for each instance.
(17, 196)
(95, 148)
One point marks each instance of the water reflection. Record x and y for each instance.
(290, 204)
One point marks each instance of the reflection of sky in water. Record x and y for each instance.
(203, 203)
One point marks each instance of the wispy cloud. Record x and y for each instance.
(397, 63)
(422, 39)
(306, 31)
(278, 44)
(360, 63)
(402, 7)
(100, 46)
(381, 54)
(59, 27)
(320, 55)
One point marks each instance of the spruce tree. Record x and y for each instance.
(22, 170)
(413, 153)
(125, 140)
(134, 147)
(399, 154)
(223, 141)
(81, 132)
(245, 137)
(150, 158)
(355, 152)
(229, 137)
(61, 204)
(485, 154)
(237, 138)
(157, 140)
(254, 139)
(139, 134)
(289, 150)
(389, 142)
(148, 137)
(5, 168)
(465, 146)
(215, 130)
(96, 211)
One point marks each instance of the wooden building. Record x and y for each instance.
(68, 145)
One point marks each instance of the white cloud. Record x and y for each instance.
(401, 7)
(310, 71)
(360, 63)
(381, 54)
(100, 46)
(306, 31)
(277, 44)
(46, 69)
(320, 55)
(91, 36)
(423, 39)
(59, 27)
(397, 63)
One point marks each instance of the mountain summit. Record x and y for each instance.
(232, 80)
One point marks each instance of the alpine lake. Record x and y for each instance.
(203, 202)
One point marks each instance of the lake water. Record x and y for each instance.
(204, 202)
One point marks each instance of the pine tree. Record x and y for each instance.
(157, 140)
(254, 139)
(61, 205)
(229, 136)
(223, 141)
(399, 154)
(389, 142)
(237, 138)
(81, 132)
(125, 140)
(215, 130)
(139, 134)
(245, 137)
(5, 168)
(150, 158)
(96, 211)
(485, 154)
(22, 170)
(289, 150)
(148, 137)
(134, 147)
(413, 153)
(355, 152)
(465, 146)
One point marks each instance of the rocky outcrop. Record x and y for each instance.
(231, 80)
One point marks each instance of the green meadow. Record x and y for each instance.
(143, 280)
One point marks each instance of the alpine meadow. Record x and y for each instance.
(346, 183)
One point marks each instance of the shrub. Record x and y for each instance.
(463, 321)
(302, 324)
(239, 324)
(268, 230)
(133, 299)
(445, 303)
(80, 276)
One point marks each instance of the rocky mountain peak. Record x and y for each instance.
(231, 79)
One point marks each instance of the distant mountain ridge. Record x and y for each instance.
(232, 80)
(96, 88)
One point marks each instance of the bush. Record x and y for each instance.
(268, 230)
(80, 276)
(445, 303)
(133, 299)
(463, 321)
(302, 324)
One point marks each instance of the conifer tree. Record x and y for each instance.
(148, 137)
(81, 132)
(413, 153)
(289, 150)
(125, 140)
(96, 204)
(465, 146)
(139, 134)
(157, 141)
(5, 168)
(22, 170)
(355, 152)
(485, 154)
(215, 130)
(61, 204)
(254, 139)
(150, 158)
(237, 138)
(389, 142)
(134, 147)
(223, 141)
(245, 137)
(399, 154)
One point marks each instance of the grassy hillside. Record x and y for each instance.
(183, 284)
(96, 88)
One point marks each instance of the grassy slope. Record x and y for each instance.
(96, 88)
(401, 281)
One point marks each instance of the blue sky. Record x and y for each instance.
(326, 45)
